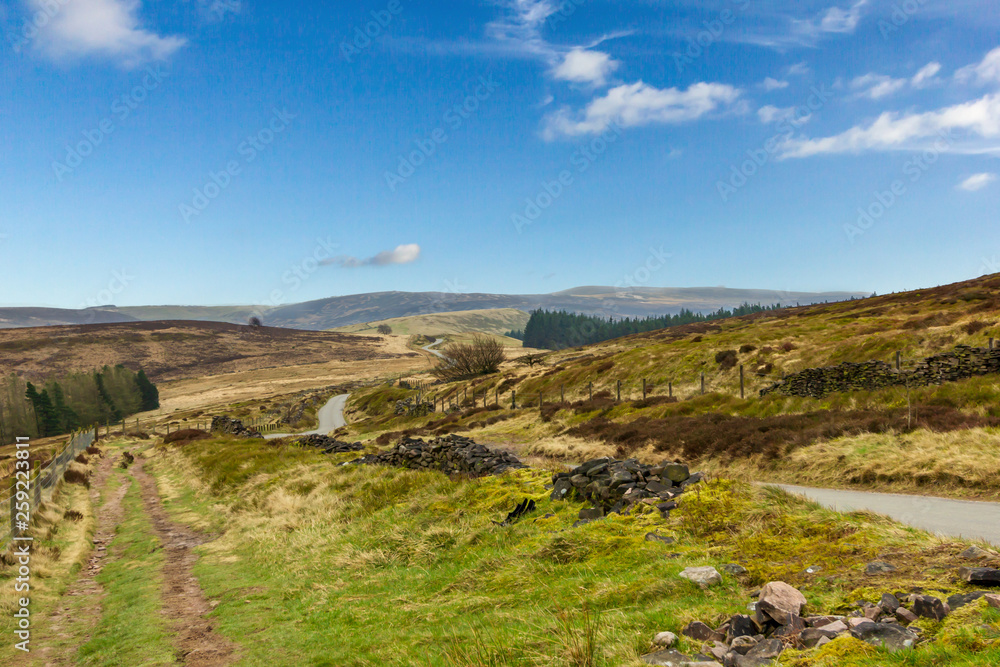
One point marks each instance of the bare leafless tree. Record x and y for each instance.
(482, 356)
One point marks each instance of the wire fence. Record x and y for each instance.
(30, 489)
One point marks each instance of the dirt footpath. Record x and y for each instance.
(185, 605)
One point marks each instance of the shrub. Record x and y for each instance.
(482, 356)
(787, 346)
(747, 349)
(384, 329)
(726, 359)
(73, 476)
(974, 327)
(184, 436)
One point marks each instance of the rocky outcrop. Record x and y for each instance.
(449, 454)
(613, 485)
(961, 363)
(235, 427)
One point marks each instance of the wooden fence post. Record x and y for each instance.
(703, 382)
(899, 356)
(562, 393)
(498, 396)
(670, 389)
(741, 381)
(619, 384)
(591, 387)
(644, 389)
(513, 399)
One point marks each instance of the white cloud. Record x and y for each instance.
(925, 75)
(582, 66)
(401, 254)
(108, 28)
(977, 182)
(799, 69)
(979, 120)
(640, 104)
(985, 72)
(876, 86)
(833, 20)
(771, 114)
(773, 84)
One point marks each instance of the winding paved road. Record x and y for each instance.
(953, 518)
(331, 417)
(429, 346)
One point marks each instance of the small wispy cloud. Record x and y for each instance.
(770, 84)
(985, 72)
(772, 114)
(876, 86)
(401, 254)
(106, 28)
(809, 32)
(977, 182)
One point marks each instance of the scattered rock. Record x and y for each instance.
(665, 639)
(879, 567)
(701, 632)
(889, 603)
(656, 537)
(980, 576)
(993, 600)
(591, 514)
(928, 606)
(905, 616)
(890, 636)
(962, 599)
(777, 601)
(734, 569)
(975, 553)
(703, 576)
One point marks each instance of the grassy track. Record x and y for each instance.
(328, 565)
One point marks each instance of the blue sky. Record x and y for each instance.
(227, 151)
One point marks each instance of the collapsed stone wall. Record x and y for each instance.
(329, 445)
(232, 426)
(449, 454)
(961, 363)
(412, 408)
(614, 485)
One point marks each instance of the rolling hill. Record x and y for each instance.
(341, 311)
(492, 320)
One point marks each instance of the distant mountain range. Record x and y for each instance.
(341, 311)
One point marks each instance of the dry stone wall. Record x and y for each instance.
(961, 363)
(449, 454)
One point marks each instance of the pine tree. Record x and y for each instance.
(148, 392)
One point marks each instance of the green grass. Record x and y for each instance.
(324, 564)
(132, 630)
